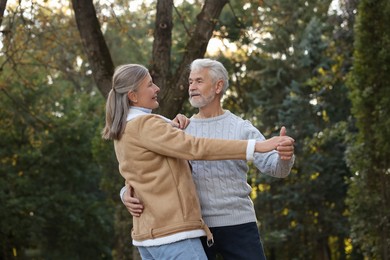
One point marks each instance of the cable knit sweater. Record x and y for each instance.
(222, 185)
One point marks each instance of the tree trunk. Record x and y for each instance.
(322, 249)
(3, 4)
(161, 61)
(385, 218)
(94, 44)
(172, 96)
(173, 88)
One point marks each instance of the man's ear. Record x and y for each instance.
(132, 96)
(219, 86)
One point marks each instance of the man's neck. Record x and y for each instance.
(209, 112)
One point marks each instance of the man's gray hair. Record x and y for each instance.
(216, 70)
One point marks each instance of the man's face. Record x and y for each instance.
(201, 88)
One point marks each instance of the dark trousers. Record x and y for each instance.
(239, 242)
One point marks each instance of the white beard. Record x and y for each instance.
(202, 100)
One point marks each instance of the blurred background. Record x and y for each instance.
(318, 67)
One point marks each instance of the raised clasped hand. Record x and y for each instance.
(285, 147)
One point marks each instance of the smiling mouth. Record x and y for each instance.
(194, 95)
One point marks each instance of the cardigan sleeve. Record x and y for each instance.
(162, 138)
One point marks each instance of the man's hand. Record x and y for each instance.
(132, 203)
(180, 121)
(285, 148)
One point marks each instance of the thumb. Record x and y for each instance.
(283, 131)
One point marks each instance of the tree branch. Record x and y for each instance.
(182, 20)
(3, 4)
(196, 48)
(94, 44)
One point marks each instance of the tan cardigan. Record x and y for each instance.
(153, 158)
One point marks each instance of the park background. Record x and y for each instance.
(318, 67)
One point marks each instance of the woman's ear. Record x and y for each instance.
(132, 96)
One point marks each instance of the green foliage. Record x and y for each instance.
(126, 31)
(295, 77)
(60, 181)
(50, 198)
(52, 205)
(369, 83)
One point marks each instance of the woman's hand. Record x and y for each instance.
(273, 143)
(180, 121)
(282, 143)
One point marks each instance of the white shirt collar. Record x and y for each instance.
(139, 111)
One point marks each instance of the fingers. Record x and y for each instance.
(175, 124)
(180, 121)
(286, 140)
(285, 146)
(285, 155)
(135, 212)
(133, 204)
(183, 121)
(286, 149)
(285, 158)
(132, 200)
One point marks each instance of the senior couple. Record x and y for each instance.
(186, 179)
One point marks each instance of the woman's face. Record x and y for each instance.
(146, 95)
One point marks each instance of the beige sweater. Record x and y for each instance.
(153, 158)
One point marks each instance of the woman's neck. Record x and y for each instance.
(146, 110)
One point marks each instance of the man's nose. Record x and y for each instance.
(191, 86)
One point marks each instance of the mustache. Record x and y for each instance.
(194, 94)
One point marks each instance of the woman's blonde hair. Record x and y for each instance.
(126, 78)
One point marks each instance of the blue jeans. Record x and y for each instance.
(238, 242)
(181, 250)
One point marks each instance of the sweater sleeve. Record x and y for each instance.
(158, 136)
(268, 163)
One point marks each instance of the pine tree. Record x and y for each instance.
(369, 83)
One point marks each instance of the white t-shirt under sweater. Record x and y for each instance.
(222, 185)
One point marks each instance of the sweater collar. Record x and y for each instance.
(140, 111)
(216, 118)
(137, 111)
(146, 110)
